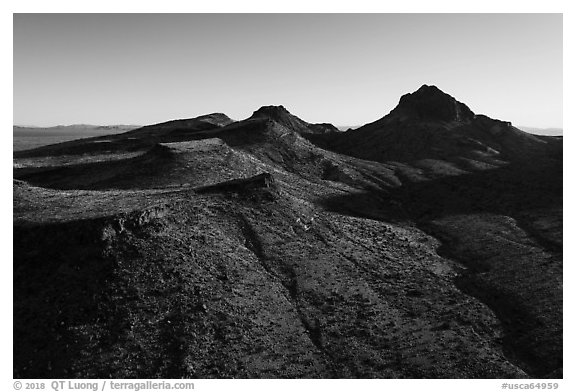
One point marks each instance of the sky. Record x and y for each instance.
(346, 69)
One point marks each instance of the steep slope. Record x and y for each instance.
(223, 285)
(210, 248)
(429, 125)
(493, 195)
(282, 116)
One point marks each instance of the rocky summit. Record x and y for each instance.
(429, 103)
(426, 244)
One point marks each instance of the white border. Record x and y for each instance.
(303, 6)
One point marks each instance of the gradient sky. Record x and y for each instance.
(347, 69)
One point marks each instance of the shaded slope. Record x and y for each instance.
(240, 149)
(245, 250)
(505, 227)
(517, 277)
(431, 125)
(216, 286)
(429, 103)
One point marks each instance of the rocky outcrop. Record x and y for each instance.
(260, 182)
(287, 119)
(429, 103)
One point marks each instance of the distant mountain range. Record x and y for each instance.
(65, 130)
(61, 129)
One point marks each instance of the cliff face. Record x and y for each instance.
(209, 248)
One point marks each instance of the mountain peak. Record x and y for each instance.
(273, 112)
(431, 103)
(282, 116)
